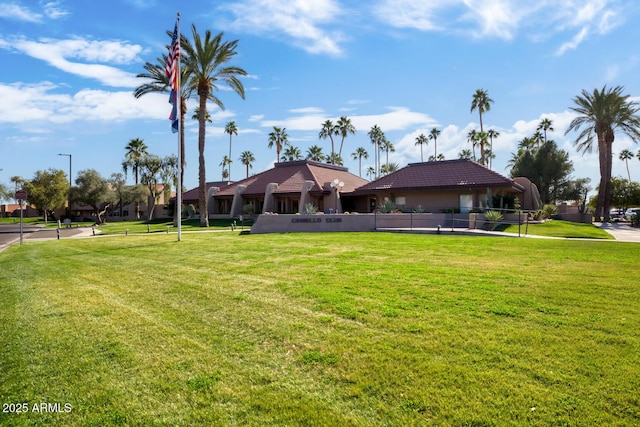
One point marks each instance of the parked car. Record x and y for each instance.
(616, 214)
(630, 212)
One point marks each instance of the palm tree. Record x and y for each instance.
(247, 159)
(472, 138)
(136, 150)
(360, 154)
(492, 133)
(278, 138)
(343, 128)
(526, 143)
(481, 139)
(225, 172)
(625, 155)
(433, 134)
(196, 115)
(315, 153)
(389, 168)
(544, 126)
(376, 136)
(291, 154)
(159, 83)
(371, 171)
(327, 131)
(206, 61)
(335, 159)
(482, 103)
(537, 137)
(464, 154)
(421, 140)
(388, 146)
(601, 113)
(231, 129)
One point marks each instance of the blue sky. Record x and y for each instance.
(406, 65)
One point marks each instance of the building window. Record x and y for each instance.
(466, 203)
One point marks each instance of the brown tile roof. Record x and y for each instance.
(440, 175)
(192, 195)
(290, 175)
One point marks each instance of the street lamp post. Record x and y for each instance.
(69, 192)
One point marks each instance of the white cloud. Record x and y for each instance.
(53, 10)
(307, 110)
(256, 117)
(504, 18)
(34, 104)
(299, 22)
(398, 118)
(56, 52)
(19, 13)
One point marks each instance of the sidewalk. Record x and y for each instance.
(621, 231)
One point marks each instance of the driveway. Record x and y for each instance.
(621, 231)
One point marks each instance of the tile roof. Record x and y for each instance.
(440, 175)
(192, 195)
(290, 176)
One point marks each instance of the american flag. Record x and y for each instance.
(172, 70)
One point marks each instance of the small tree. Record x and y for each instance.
(47, 190)
(93, 190)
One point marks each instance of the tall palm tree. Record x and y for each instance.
(376, 136)
(247, 159)
(538, 138)
(225, 161)
(278, 137)
(421, 140)
(492, 134)
(388, 146)
(482, 103)
(206, 60)
(464, 154)
(335, 159)
(327, 131)
(360, 154)
(371, 172)
(601, 113)
(433, 134)
(625, 155)
(231, 129)
(472, 138)
(158, 82)
(315, 153)
(291, 154)
(196, 115)
(344, 128)
(527, 143)
(136, 150)
(545, 125)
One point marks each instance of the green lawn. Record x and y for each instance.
(558, 228)
(160, 225)
(362, 329)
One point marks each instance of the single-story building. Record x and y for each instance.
(440, 186)
(288, 188)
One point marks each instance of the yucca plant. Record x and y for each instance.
(492, 218)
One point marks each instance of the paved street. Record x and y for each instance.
(10, 233)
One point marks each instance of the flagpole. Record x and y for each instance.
(179, 117)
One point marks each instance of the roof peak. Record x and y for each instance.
(310, 163)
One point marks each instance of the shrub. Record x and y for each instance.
(310, 208)
(547, 212)
(247, 209)
(419, 209)
(387, 207)
(492, 218)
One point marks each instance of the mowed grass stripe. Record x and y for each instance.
(322, 329)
